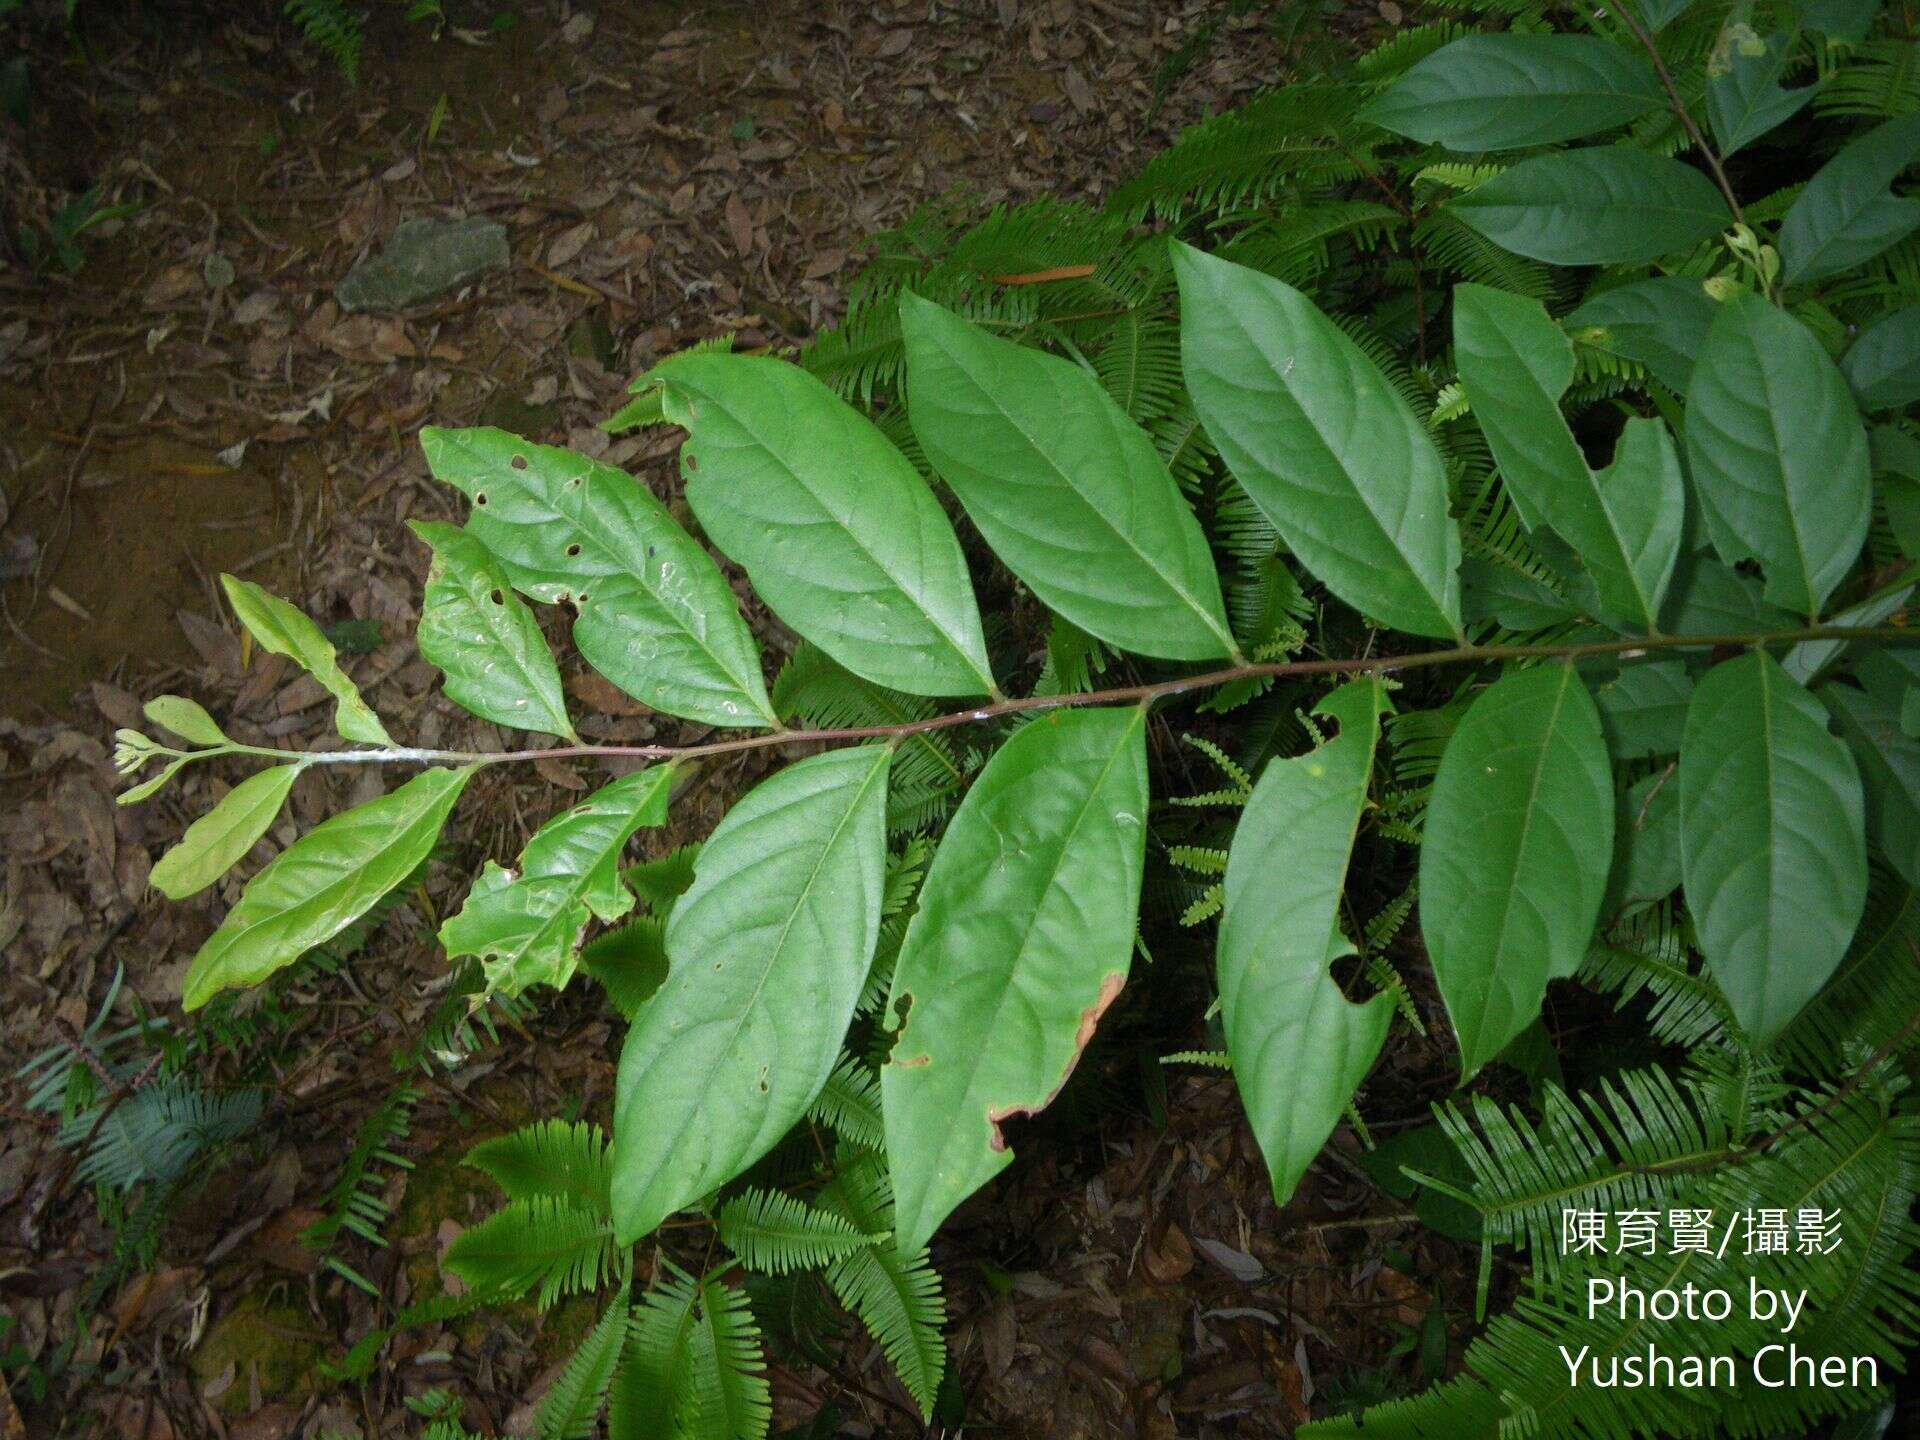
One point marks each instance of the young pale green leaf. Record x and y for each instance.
(1778, 453)
(1846, 215)
(282, 630)
(1883, 365)
(1067, 490)
(653, 613)
(1513, 862)
(1300, 1048)
(1746, 99)
(838, 532)
(1321, 443)
(1643, 708)
(185, 718)
(1646, 843)
(322, 883)
(768, 951)
(1772, 840)
(1501, 92)
(1889, 761)
(1625, 522)
(1659, 323)
(526, 928)
(1607, 205)
(486, 641)
(218, 840)
(1021, 941)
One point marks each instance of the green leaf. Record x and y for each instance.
(1322, 444)
(730, 1386)
(1746, 100)
(1625, 522)
(654, 614)
(1500, 92)
(1300, 1048)
(1889, 761)
(1656, 14)
(185, 718)
(1646, 843)
(775, 1233)
(486, 641)
(220, 838)
(1067, 490)
(1846, 20)
(1709, 597)
(323, 882)
(1659, 323)
(653, 1392)
(1778, 453)
(768, 951)
(282, 630)
(1608, 205)
(562, 1159)
(838, 532)
(1772, 840)
(1807, 659)
(571, 1407)
(1846, 215)
(543, 1243)
(1883, 365)
(526, 928)
(1513, 862)
(1643, 709)
(1022, 939)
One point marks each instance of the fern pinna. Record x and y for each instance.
(1409, 448)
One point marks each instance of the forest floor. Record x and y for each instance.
(193, 401)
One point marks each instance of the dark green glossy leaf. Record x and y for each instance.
(1883, 365)
(1847, 214)
(1021, 941)
(1710, 597)
(1889, 761)
(485, 639)
(1514, 858)
(1608, 205)
(1500, 92)
(767, 954)
(655, 616)
(1323, 445)
(1067, 490)
(837, 531)
(1778, 453)
(1643, 709)
(1746, 100)
(1300, 1048)
(1646, 843)
(526, 926)
(1624, 523)
(1659, 323)
(1772, 840)
(322, 883)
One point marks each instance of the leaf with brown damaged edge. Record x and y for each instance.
(1020, 944)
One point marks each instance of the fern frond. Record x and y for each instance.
(729, 1369)
(776, 1233)
(897, 1297)
(157, 1132)
(334, 26)
(629, 962)
(571, 1408)
(355, 1204)
(566, 1160)
(543, 1243)
(849, 1105)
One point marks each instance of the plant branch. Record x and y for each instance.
(1121, 695)
(1679, 108)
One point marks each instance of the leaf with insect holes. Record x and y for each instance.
(767, 953)
(1022, 938)
(1501, 92)
(526, 928)
(1068, 491)
(1778, 454)
(1772, 840)
(1321, 443)
(323, 882)
(1514, 858)
(838, 532)
(1605, 205)
(1623, 522)
(282, 630)
(219, 839)
(654, 614)
(485, 639)
(1300, 1048)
